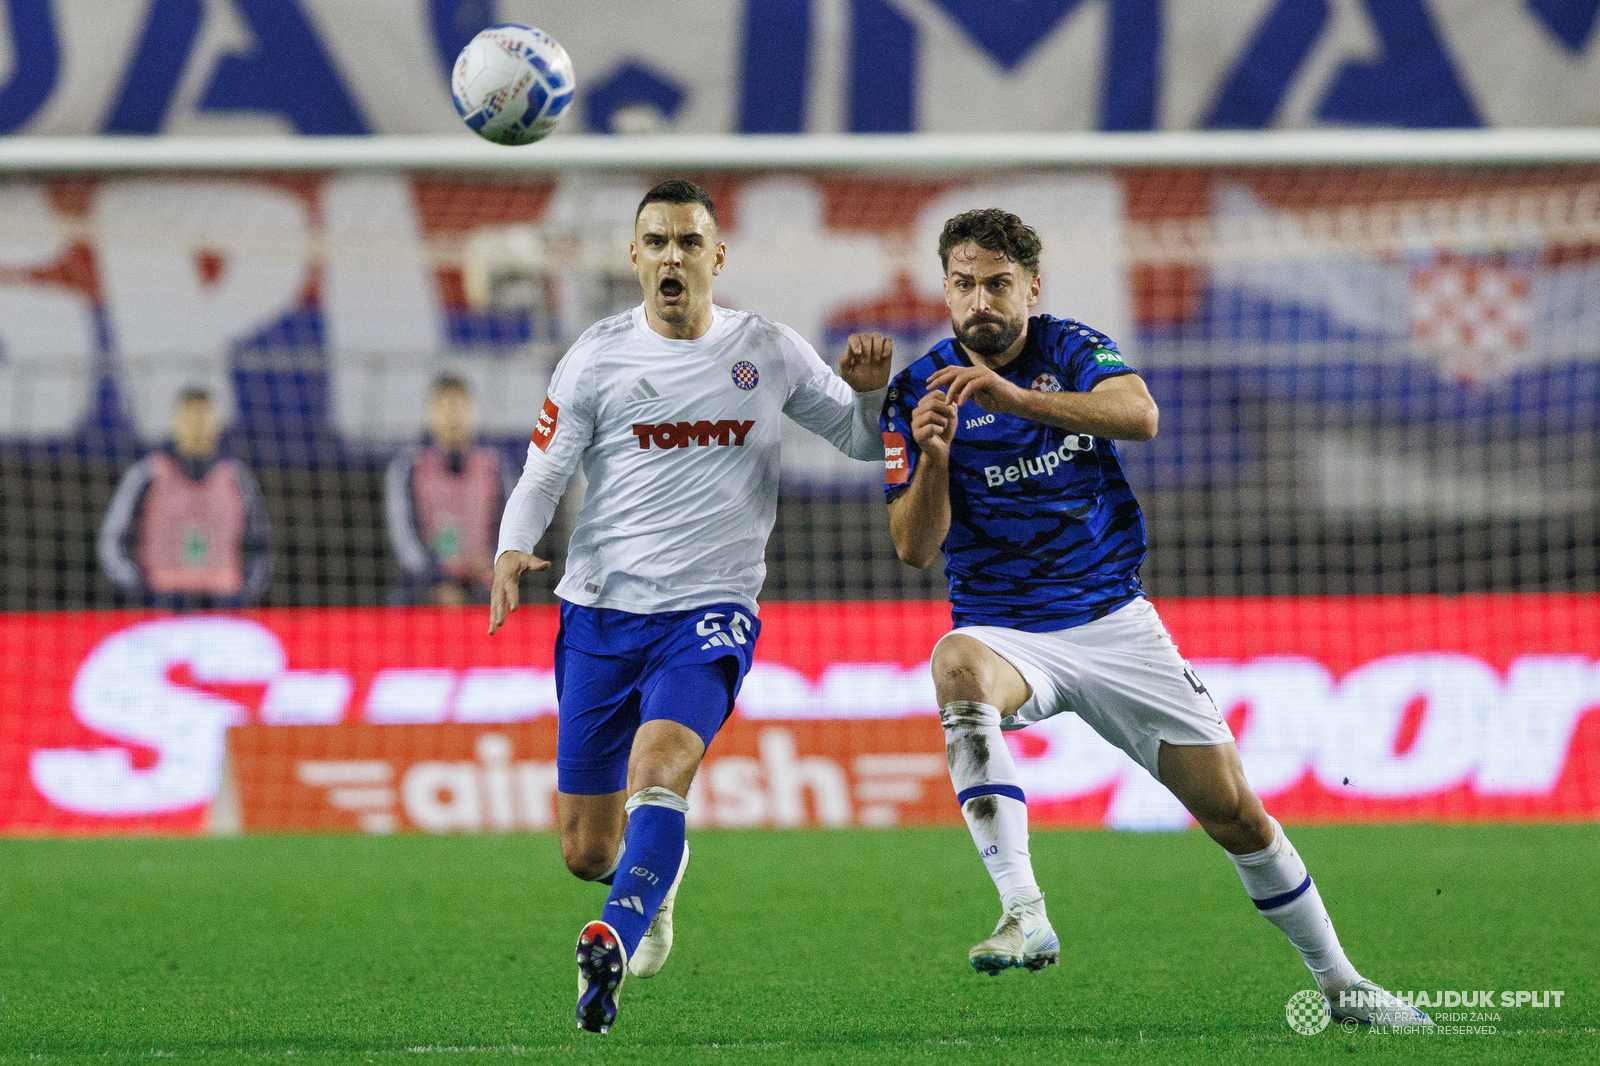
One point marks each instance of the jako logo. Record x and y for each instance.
(682, 434)
(986, 420)
(1042, 465)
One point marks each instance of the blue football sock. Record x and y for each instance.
(650, 859)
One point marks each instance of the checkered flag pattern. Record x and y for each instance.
(1308, 1012)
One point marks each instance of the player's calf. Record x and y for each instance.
(591, 860)
(1210, 781)
(591, 829)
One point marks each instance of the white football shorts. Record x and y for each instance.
(1122, 674)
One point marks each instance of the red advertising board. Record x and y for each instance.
(1346, 709)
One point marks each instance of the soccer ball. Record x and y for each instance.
(512, 83)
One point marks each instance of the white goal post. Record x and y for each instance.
(914, 152)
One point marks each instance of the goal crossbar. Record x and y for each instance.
(911, 152)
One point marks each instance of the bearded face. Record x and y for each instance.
(988, 334)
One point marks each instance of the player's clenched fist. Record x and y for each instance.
(933, 424)
(508, 571)
(865, 362)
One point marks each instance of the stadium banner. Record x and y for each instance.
(795, 66)
(1351, 709)
(317, 308)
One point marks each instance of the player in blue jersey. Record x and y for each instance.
(999, 449)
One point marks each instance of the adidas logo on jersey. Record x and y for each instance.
(642, 392)
(682, 434)
(1042, 465)
(632, 903)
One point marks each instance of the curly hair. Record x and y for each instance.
(993, 230)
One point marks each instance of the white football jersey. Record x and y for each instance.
(679, 442)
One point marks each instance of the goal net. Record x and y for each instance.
(1371, 506)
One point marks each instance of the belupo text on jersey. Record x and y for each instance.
(1042, 465)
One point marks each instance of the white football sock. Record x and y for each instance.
(985, 779)
(1277, 882)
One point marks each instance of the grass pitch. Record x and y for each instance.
(792, 947)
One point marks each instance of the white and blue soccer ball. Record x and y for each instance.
(512, 84)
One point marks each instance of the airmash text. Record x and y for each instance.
(1042, 465)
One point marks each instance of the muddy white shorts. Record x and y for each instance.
(1122, 674)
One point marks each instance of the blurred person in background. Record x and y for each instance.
(197, 517)
(443, 499)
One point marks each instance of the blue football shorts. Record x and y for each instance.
(616, 670)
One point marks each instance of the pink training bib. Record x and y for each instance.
(192, 532)
(457, 513)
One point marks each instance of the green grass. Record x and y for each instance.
(845, 947)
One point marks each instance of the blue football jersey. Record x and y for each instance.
(1044, 531)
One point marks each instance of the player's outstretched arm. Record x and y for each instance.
(507, 591)
(919, 518)
(1120, 408)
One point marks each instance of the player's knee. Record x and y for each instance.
(1235, 819)
(1253, 827)
(959, 672)
(588, 858)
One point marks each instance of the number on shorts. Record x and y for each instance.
(1194, 682)
(738, 626)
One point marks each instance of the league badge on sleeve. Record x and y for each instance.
(545, 429)
(745, 375)
(896, 463)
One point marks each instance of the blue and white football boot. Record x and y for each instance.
(602, 967)
(1023, 939)
(1367, 1003)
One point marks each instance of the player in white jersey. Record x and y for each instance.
(674, 410)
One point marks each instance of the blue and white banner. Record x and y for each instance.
(794, 66)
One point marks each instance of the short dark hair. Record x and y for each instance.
(993, 230)
(192, 392)
(446, 382)
(677, 191)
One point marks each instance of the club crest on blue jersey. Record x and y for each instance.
(745, 375)
(1046, 382)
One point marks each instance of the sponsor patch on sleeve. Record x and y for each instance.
(1107, 357)
(896, 463)
(545, 428)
